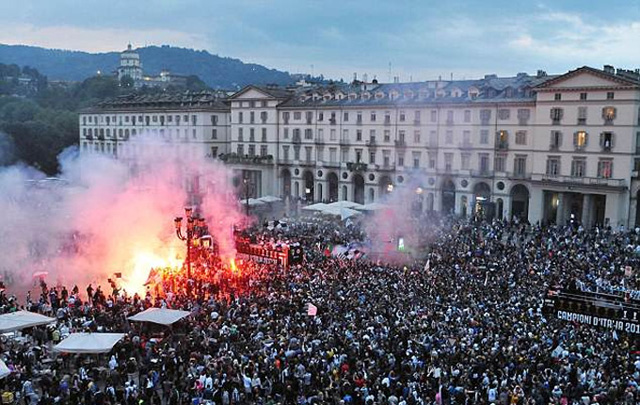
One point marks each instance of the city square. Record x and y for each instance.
(178, 227)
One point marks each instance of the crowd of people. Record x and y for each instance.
(463, 325)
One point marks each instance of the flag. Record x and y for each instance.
(427, 266)
(312, 310)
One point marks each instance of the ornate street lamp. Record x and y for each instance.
(190, 232)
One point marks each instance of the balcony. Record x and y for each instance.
(359, 121)
(502, 145)
(296, 139)
(449, 122)
(400, 143)
(307, 162)
(387, 121)
(89, 137)
(356, 167)
(465, 145)
(101, 137)
(583, 181)
(386, 168)
(332, 121)
(319, 141)
(331, 164)
(554, 147)
(372, 143)
(416, 122)
(519, 175)
(232, 158)
(482, 173)
(344, 142)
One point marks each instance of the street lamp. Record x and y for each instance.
(195, 226)
(245, 180)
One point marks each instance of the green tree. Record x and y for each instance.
(127, 82)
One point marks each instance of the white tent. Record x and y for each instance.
(22, 319)
(252, 202)
(162, 316)
(315, 207)
(4, 370)
(269, 199)
(345, 204)
(343, 213)
(372, 207)
(88, 343)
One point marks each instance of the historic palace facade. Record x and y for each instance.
(545, 147)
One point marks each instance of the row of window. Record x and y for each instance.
(583, 96)
(176, 119)
(103, 133)
(264, 117)
(251, 150)
(578, 165)
(608, 115)
(253, 104)
(523, 115)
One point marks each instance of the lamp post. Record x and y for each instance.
(245, 180)
(187, 237)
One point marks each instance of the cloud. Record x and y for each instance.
(98, 39)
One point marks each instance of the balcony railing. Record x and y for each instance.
(331, 164)
(296, 139)
(344, 142)
(502, 145)
(246, 159)
(332, 121)
(386, 168)
(356, 167)
(319, 141)
(372, 143)
(465, 145)
(416, 122)
(588, 181)
(482, 173)
(387, 121)
(400, 143)
(519, 175)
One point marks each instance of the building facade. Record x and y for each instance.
(544, 148)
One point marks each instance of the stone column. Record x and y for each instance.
(560, 214)
(587, 217)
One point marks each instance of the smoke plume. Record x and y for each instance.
(106, 216)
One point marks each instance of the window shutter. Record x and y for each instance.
(575, 139)
(553, 138)
(613, 137)
(559, 138)
(602, 139)
(586, 139)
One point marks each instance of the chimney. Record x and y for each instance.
(541, 73)
(609, 69)
(365, 78)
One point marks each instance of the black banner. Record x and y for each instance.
(608, 311)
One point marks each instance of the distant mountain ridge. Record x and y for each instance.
(216, 71)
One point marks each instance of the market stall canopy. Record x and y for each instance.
(343, 213)
(162, 316)
(345, 204)
(22, 319)
(372, 207)
(269, 199)
(4, 370)
(89, 343)
(315, 207)
(252, 202)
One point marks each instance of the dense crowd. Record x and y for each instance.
(464, 326)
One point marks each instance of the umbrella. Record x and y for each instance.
(345, 204)
(269, 199)
(4, 370)
(315, 207)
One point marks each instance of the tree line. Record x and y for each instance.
(39, 119)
